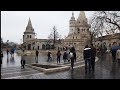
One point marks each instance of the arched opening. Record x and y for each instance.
(43, 46)
(27, 36)
(47, 46)
(24, 47)
(29, 46)
(38, 47)
(52, 46)
(78, 30)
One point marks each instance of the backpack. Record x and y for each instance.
(71, 54)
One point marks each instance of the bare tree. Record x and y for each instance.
(109, 20)
(105, 23)
(54, 35)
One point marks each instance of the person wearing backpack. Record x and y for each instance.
(58, 57)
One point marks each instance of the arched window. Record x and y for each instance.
(27, 36)
(30, 36)
(78, 30)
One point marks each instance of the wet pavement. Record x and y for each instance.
(104, 69)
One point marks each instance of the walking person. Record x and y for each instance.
(113, 51)
(118, 55)
(65, 56)
(93, 55)
(11, 51)
(72, 59)
(87, 58)
(68, 56)
(7, 51)
(36, 56)
(49, 56)
(1, 58)
(58, 57)
(74, 54)
(23, 61)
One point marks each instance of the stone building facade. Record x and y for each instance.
(32, 43)
(107, 40)
(78, 35)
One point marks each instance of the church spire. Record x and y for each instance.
(72, 14)
(29, 27)
(82, 16)
(29, 23)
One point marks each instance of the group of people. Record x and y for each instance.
(11, 51)
(90, 54)
(69, 55)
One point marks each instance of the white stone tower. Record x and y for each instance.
(72, 25)
(29, 33)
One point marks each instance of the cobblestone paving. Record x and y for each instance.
(104, 69)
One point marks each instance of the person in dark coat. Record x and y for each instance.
(1, 57)
(36, 57)
(93, 55)
(7, 51)
(49, 56)
(65, 56)
(58, 57)
(72, 59)
(74, 54)
(87, 57)
(113, 51)
(23, 61)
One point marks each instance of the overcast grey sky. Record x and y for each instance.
(13, 23)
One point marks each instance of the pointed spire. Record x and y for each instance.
(29, 23)
(72, 18)
(29, 27)
(82, 16)
(72, 14)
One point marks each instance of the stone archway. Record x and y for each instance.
(43, 46)
(29, 46)
(47, 46)
(38, 47)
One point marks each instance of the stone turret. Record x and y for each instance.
(82, 20)
(72, 24)
(29, 33)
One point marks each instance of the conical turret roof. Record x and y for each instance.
(82, 16)
(29, 27)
